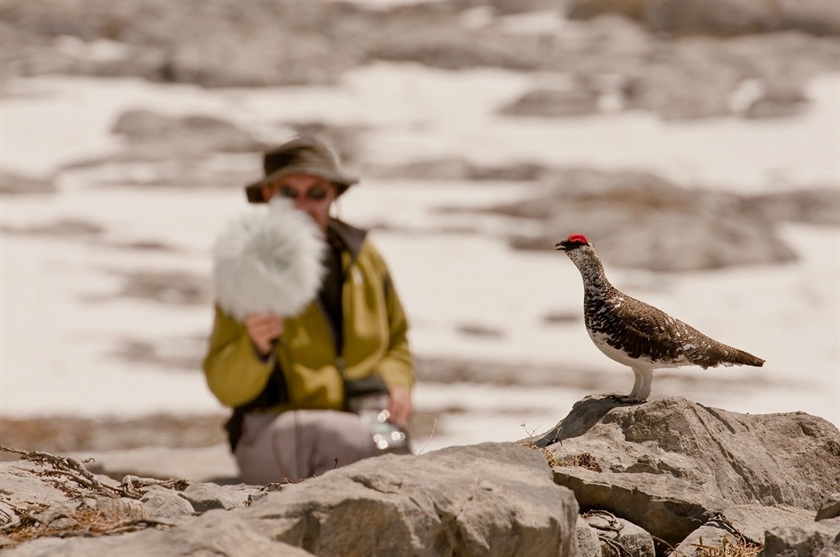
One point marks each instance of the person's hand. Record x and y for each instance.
(263, 328)
(399, 406)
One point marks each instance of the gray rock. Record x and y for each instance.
(455, 48)
(664, 506)
(188, 144)
(814, 17)
(480, 500)
(554, 103)
(210, 133)
(815, 539)
(723, 17)
(206, 496)
(218, 533)
(588, 542)
(741, 524)
(28, 486)
(454, 168)
(620, 537)
(809, 206)
(830, 507)
(20, 488)
(631, 216)
(670, 87)
(701, 77)
(122, 508)
(669, 465)
(152, 137)
(63, 228)
(165, 503)
(60, 499)
(161, 41)
(781, 100)
(16, 184)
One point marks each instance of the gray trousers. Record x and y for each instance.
(295, 445)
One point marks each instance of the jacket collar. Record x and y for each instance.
(349, 236)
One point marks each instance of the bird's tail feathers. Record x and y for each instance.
(739, 357)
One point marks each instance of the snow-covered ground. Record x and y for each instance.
(62, 318)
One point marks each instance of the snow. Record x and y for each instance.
(63, 317)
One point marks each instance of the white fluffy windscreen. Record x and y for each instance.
(270, 260)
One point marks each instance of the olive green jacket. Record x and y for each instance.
(374, 341)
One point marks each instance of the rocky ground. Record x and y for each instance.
(664, 477)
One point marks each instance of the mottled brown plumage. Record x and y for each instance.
(637, 334)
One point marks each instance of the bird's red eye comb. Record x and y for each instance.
(578, 239)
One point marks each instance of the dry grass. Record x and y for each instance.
(80, 486)
(83, 521)
(738, 547)
(584, 460)
(553, 459)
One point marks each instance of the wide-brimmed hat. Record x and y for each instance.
(303, 155)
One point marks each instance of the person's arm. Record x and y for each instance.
(397, 367)
(235, 372)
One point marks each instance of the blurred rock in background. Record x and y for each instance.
(721, 18)
(661, 56)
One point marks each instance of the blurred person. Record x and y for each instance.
(329, 386)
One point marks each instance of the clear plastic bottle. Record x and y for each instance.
(374, 414)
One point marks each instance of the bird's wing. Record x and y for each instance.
(652, 333)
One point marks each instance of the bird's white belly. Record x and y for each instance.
(600, 340)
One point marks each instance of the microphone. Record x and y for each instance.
(269, 260)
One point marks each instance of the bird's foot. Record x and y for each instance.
(625, 399)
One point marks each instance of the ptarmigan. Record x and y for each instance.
(639, 335)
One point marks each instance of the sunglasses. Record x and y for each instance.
(314, 194)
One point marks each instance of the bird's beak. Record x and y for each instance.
(560, 246)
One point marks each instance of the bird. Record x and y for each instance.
(637, 334)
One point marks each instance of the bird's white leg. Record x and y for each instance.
(637, 383)
(641, 386)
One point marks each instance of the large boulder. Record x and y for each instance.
(670, 465)
(481, 500)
